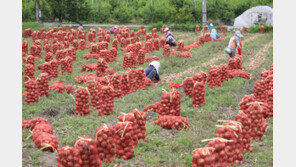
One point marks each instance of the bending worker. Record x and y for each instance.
(170, 37)
(152, 72)
(233, 43)
(214, 34)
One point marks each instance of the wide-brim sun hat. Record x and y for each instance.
(166, 29)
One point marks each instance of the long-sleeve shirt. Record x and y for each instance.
(169, 33)
(233, 43)
(149, 69)
(112, 29)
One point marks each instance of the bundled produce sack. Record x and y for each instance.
(69, 157)
(223, 72)
(85, 77)
(238, 73)
(269, 100)
(43, 86)
(245, 102)
(235, 63)
(156, 107)
(29, 72)
(166, 51)
(31, 91)
(105, 144)
(151, 58)
(214, 77)
(172, 122)
(200, 77)
(41, 127)
(203, 157)
(198, 94)
(141, 118)
(136, 129)
(30, 124)
(246, 130)
(46, 141)
(81, 102)
(220, 150)
(171, 103)
(101, 67)
(260, 89)
(106, 96)
(60, 87)
(87, 148)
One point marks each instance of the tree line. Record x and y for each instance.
(136, 11)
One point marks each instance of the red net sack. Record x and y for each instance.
(101, 67)
(166, 51)
(172, 122)
(115, 43)
(141, 118)
(223, 29)
(262, 30)
(81, 102)
(151, 58)
(129, 60)
(105, 144)
(188, 86)
(235, 63)
(94, 94)
(220, 153)
(46, 141)
(113, 54)
(245, 102)
(198, 94)
(156, 107)
(171, 103)
(205, 29)
(25, 47)
(140, 79)
(123, 140)
(27, 33)
(59, 87)
(162, 29)
(85, 77)
(162, 42)
(156, 44)
(148, 82)
(30, 124)
(180, 45)
(106, 54)
(200, 77)
(238, 73)
(136, 129)
(245, 29)
(48, 57)
(54, 68)
(197, 28)
(64, 66)
(126, 83)
(133, 80)
(258, 126)
(116, 84)
(184, 54)
(69, 65)
(265, 74)
(223, 72)
(42, 82)
(87, 148)
(141, 57)
(82, 45)
(31, 60)
(245, 137)
(214, 77)
(106, 96)
(201, 39)
(69, 157)
(269, 82)
(203, 157)
(269, 99)
(260, 89)
(29, 72)
(89, 67)
(31, 91)
(41, 127)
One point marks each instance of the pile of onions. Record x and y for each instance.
(156, 44)
(269, 82)
(201, 39)
(125, 83)
(25, 47)
(31, 91)
(187, 48)
(48, 57)
(29, 72)
(30, 124)
(75, 44)
(81, 102)
(148, 82)
(140, 79)
(265, 74)
(166, 51)
(105, 144)
(109, 71)
(129, 60)
(200, 77)
(136, 129)
(245, 137)
(27, 33)
(33, 51)
(148, 46)
(172, 122)
(54, 68)
(198, 94)
(60, 54)
(162, 42)
(46, 141)
(60, 87)
(69, 64)
(133, 80)
(123, 139)
(203, 157)
(148, 36)
(156, 107)
(260, 90)
(184, 54)
(113, 54)
(238, 73)
(117, 85)
(42, 82)
(235, 63)
(30, 60)
(151, 58)
(197, 28)
(41, 127)
(55, 47)
(220, 151)
(94, 49)
(244, 103)
(34, 36)
(141, 118)
(91, 56)
(188, 86)
(115, 44)
(180, 45)
(258, 126)
(69, 157)
(162, 29)
(106, 96)
(87, 148)
(64, 66)
(214, 77)
(171, 103)
(101, 67)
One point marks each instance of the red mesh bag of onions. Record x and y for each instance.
(136, 129)
(106, 96)
(198, 94)
(171, 103)
(43, 86)
(141, 118)
(46, 141)
(200, 77)
(69, 157)
(246, 130)
(81, 102)
(214, 77)
(31, 91)
(30, 124)
(105, 144)
(172, 122)
(203, 157)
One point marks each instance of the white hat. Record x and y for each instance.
(166, 29)
(115, 27)
(211, 24)
(238, 33)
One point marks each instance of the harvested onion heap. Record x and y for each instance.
(260, 90)
(48, 57)
(148, 82)
(116, 84)
(113, 53)
(166, 51)
(156, 107)
(31, 91)
(105, 144)
(188, 84)
(59, 87)
(42, 82)
(258, 126)
(198, 94)
(106, 96)
(140, 79)
(269, 100)
(46, 141)
(231, 131)
(162, 42)
(214, 77)
(101, 67)
(69, 64)
(47, 69)
(29, 72)
(172, 122)
(245, 102)
(220, 151)
(25, 47)
(85, 77)
(87, 148)
(203, 157)
(200, 77)
(136, 129)
(123, 139)
(81, 102)
(69, 157)
(106, 54)
(30, 124)
(126, 84)
(115, 44)
(245, 137)
(64, 66)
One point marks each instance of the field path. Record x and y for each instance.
(259, 58)
(192, 70)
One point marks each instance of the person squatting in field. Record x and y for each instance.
(81, 27)
(169, 37)
(214, 34)
(113, 29)
(233, 43)
(152, 72)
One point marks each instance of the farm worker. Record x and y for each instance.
(152, 72)
(233, 43)
(81, 27)
(210, 26)
(112, 29)
(170, 37)
(214, 34)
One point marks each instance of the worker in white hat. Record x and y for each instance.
(170, 37)
(210, 26)
(234, 42)
(113, 29)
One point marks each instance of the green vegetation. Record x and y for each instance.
(137, 11)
